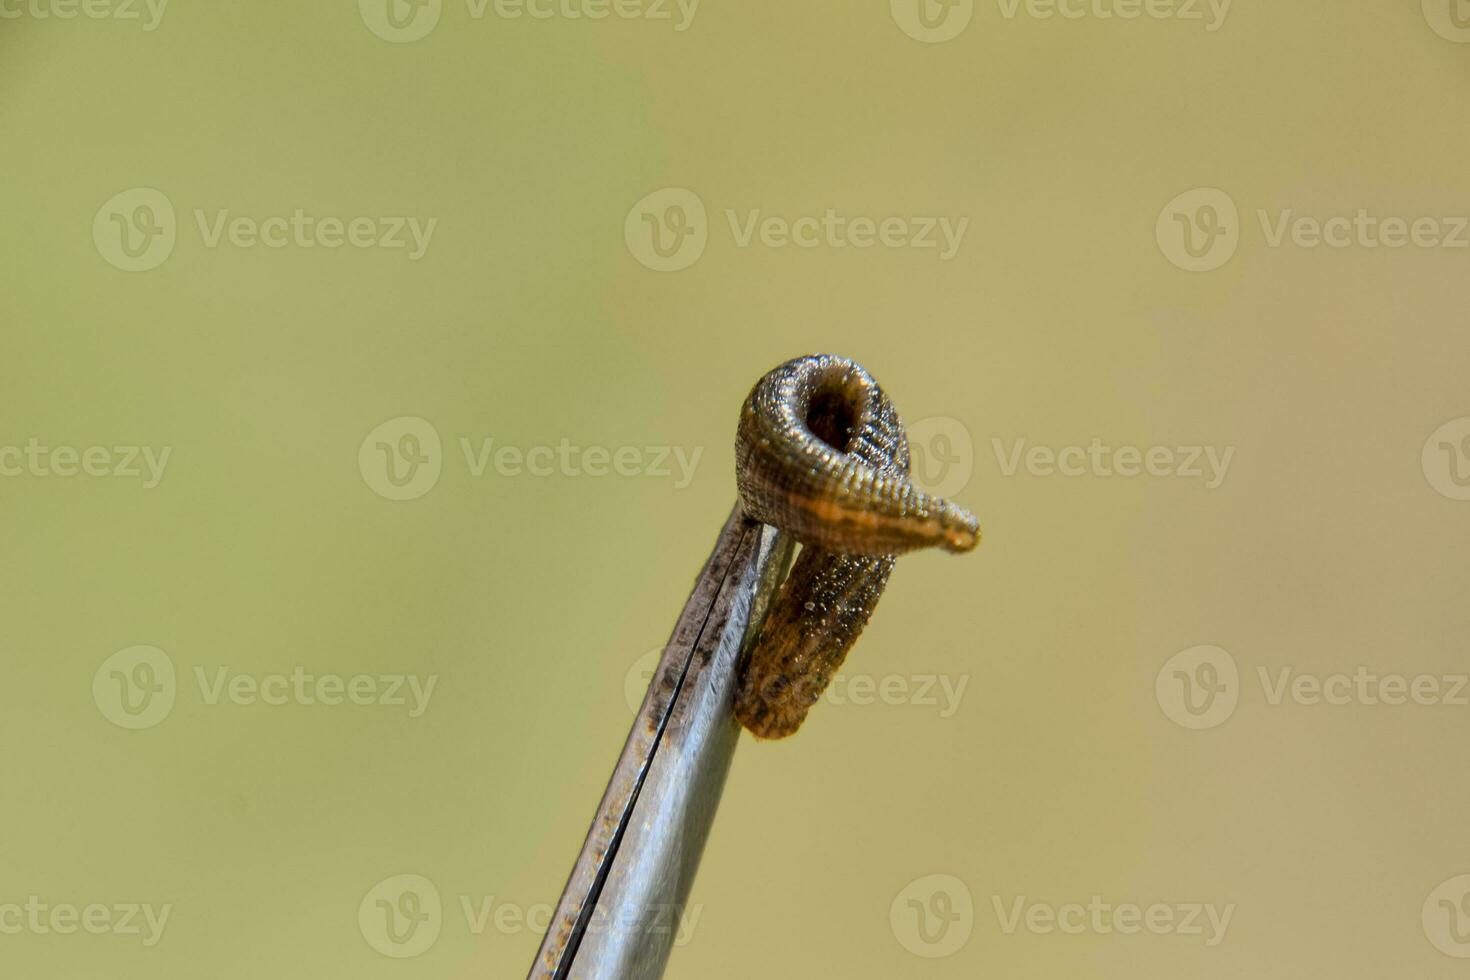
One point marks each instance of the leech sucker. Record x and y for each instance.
(821, 453)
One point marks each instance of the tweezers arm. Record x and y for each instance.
(619, 913)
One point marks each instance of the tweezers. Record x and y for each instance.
(619, 913)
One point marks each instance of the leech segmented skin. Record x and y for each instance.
(821, 453)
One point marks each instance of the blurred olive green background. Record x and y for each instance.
(1336, 539)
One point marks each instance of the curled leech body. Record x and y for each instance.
(821, 454)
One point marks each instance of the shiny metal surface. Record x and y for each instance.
(619, 914)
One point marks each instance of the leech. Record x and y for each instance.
(821, 454)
